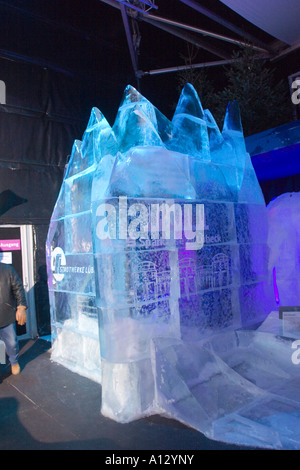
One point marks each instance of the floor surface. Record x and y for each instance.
(48, 407)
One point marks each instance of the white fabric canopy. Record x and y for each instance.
(279, 18)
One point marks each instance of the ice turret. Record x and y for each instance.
(189, 127)
(215, 137)
(70, 258)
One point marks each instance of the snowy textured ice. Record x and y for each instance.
(164, 328)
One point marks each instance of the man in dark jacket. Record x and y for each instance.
(12, 308)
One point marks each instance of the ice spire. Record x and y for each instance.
(189, 127)
(232, 120)
(137, 130)
(88, 140)
(74, 165)
(232, 127)
(97, 134)
(215, 137)
(136, 122)
(189, 103)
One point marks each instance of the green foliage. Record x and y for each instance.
(199, 79)
(250, 81)
(204, 87)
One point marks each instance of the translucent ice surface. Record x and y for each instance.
(70, 258)
(284, 242)
(238, 387)
(158, 275)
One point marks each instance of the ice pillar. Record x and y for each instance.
(70, 259)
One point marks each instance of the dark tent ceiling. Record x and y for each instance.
(141, 42)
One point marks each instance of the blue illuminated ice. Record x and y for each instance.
(284, 241)
(158, 243)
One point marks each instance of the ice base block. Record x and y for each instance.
(238, 387)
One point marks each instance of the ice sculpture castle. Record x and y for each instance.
(115, 283)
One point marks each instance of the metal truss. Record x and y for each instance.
(135, 11)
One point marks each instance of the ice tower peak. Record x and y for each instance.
(136, 129)
(215, 136)
(132, 98)
(131, 95)
(95, 137)
(136, 121)
(232, 121)
(233, 133)
(74, 165)
(95, 117)
(189, 102)
(190, 134)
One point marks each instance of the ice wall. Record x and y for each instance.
(70, 259)
(284, 242)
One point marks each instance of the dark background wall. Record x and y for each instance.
(38, 124)
(55, 70)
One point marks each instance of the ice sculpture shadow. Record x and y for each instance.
(11, 421)
(155, 296)
(42, 301)
(14, 435)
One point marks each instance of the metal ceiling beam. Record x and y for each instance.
(131, 46)
(138, 5)
(176, 29)
(200, 43)
(178, 68)
(148, 17)
(14, 56)
(227, 24)
(287, 51)
(202, 65)
(204, 32)
(175, 32)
